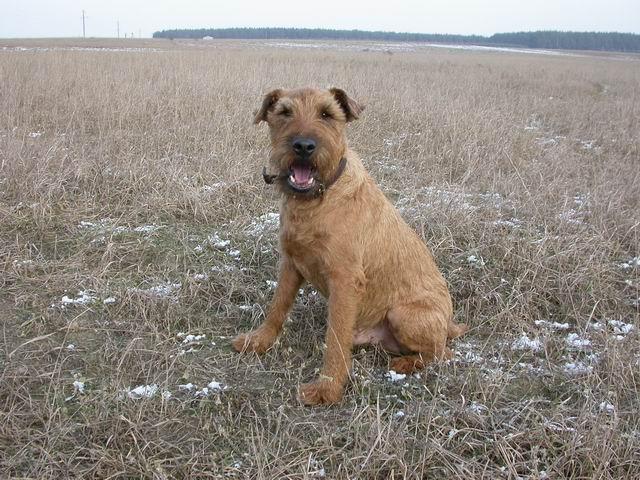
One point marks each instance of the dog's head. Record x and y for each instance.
(307, 135)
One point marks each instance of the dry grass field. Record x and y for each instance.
(137, 237)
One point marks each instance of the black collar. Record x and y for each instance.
(270, 179)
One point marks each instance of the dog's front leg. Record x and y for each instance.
(343, 310)
(261, 339)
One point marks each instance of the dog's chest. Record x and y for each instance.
(305, 245)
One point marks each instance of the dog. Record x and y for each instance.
(340, 233)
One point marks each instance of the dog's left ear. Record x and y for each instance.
(350, 107)
(268, 102)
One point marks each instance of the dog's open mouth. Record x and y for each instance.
(301, 177)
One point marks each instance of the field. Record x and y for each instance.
(137, 238)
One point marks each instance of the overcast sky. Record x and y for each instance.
(63, 18)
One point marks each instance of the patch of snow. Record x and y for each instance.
(193, 338)
(576, 215)
(146, 228)
(597, 326)
(223, 268)
(71, 347)
(552, 325)
(105, 225)
(35, 134)
(84, 297)
(525, 343)
(427, 198)
(391, 47)
(212, 387)
(477, 408)
(468, 355)
(531, 368)
(23, 263)
(570, 216)
(535, 51)
(216, 386)
(575, 341)
(472, 259)
(535, 123)
(109, 301)
(577, 368)
(213, 187)
(399, 414)
(271, 284)
(511, 223)
(78, 386)
(216, 242)
(79, 49)
(607, 408)
(634, 262)
(200, 277)
(159, 291)
(620, 328)
(267, 223)
(201, 393)
(316, 469)
(587, 145)
(395, 377)
(549, 141)
(557, 427)
(142, 391)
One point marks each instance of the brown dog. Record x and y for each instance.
(340, 233)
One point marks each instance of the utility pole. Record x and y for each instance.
(83, 30)
(118, 28)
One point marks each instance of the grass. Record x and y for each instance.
(520, 172)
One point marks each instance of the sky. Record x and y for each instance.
(63, 18)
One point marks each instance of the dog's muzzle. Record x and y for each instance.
(299, 178)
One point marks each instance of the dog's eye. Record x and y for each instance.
(326, 115)
(285, 112)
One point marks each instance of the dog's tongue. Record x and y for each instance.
(301, 174)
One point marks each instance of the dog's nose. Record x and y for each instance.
(304, 146)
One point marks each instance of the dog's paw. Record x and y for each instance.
(406, 365)
(320, 393)
(257, 341)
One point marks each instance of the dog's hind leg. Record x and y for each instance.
(421, 328)
(261, 339)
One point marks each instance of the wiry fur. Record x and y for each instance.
(351, 244)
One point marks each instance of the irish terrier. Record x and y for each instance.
(340, 233)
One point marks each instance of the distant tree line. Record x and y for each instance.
(610, 41)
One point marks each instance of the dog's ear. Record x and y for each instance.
(268, 102)
(350, 107)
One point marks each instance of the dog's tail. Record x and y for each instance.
(454, 330)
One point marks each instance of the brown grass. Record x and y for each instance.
(520, 171)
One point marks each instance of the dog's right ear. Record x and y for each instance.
(269, 101)
(350, 107)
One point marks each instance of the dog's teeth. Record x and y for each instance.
(292, 178)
